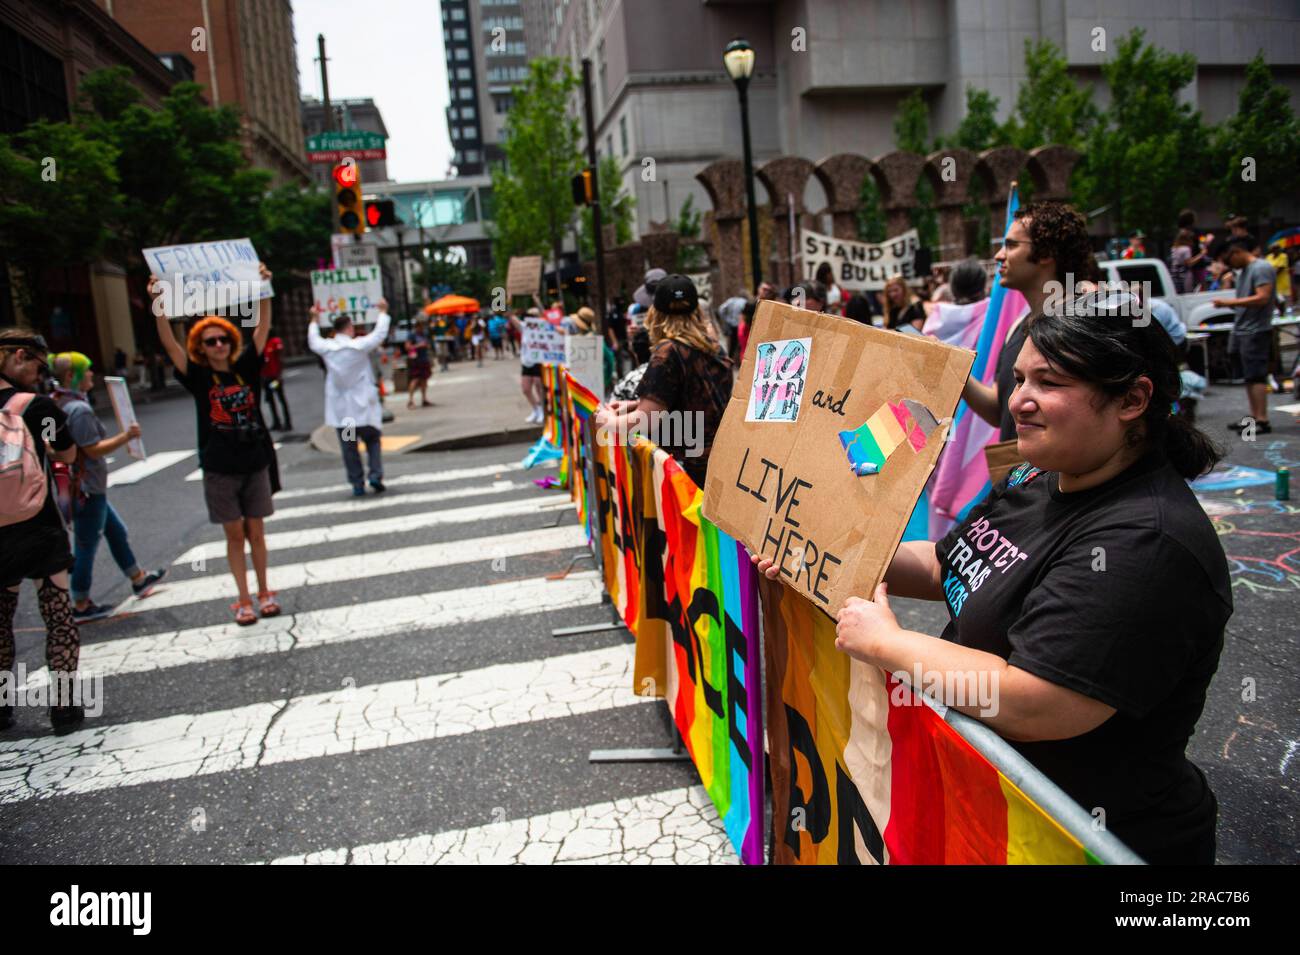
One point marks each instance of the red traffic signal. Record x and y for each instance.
(346, 175)
(349, 208)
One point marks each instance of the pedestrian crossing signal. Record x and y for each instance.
(381, 213)
(350, 211)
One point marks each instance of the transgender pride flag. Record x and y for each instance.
(961, 479)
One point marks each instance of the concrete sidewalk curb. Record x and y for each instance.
(325, 440)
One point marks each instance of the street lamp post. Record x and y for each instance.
(738, 58)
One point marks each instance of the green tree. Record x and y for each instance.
(1257, 149)
(1142, 158)
(911, 133)
(1050, 106)
(871, 216)
(617, 208)
(293, 228)
(979, 128)
(912, 124)
(444, 268)
(60, 190)
(181, 168)
(532, 196)
(690, 258)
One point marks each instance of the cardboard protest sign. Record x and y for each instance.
(584, 357)
(205, 278)
(350, 292)
(861, 266)
(1002, 458)
(829, 437)
(543, 343)
(120, 397)
(524, 275)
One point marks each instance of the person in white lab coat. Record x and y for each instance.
(352, 404)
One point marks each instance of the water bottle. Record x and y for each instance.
(1282, 485)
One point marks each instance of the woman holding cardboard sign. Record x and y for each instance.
(235, 450)
(1089, 589)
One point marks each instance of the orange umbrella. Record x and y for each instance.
(451, 305)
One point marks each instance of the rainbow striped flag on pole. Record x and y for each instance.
(961, 479)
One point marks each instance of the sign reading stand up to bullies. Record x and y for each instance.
(830, 434)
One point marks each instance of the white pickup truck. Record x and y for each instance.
(1193, 308)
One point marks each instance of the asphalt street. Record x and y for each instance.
(412, 705)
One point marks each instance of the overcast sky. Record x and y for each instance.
(390, 51)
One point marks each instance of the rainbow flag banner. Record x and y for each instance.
(864, 771)
(581, 404)
(689, 594)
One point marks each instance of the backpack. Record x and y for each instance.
(22, 479)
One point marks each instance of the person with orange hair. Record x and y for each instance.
(235, 451)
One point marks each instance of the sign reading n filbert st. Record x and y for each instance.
(336, 146)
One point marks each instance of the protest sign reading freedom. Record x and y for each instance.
(350, 292)
(543, 343)
(206, 278)
(861, 266)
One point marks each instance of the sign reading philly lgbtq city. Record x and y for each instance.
(350, 292)
(335, 146)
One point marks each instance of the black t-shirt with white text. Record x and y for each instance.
(232, 439)
(1120, 593)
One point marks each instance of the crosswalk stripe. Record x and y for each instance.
(350, 720)
(334, 625)
(139, 470)
(407, 480)
(345, 507)
(676, 826)
(389, 525)
(332, 570)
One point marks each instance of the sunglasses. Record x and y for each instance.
(216, 340)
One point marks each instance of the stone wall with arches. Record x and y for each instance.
(786, 181)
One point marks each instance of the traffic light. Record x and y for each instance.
(582, 194)
(350, 213)
(380, 213)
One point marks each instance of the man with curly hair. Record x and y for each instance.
(1047, 245)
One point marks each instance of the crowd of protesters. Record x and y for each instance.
(1101, 694)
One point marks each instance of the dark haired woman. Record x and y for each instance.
(1089, 589)
(223, 376)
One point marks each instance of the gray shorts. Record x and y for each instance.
(231, 497)
(1255, 351)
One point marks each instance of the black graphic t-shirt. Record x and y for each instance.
(686, 380)
(1121, 593)
(231, 437)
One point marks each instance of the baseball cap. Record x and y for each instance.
(644, 295)
(676, 295)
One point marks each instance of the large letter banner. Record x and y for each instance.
(688, 593)
(866, 772)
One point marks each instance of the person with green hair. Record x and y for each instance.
(92, 516)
